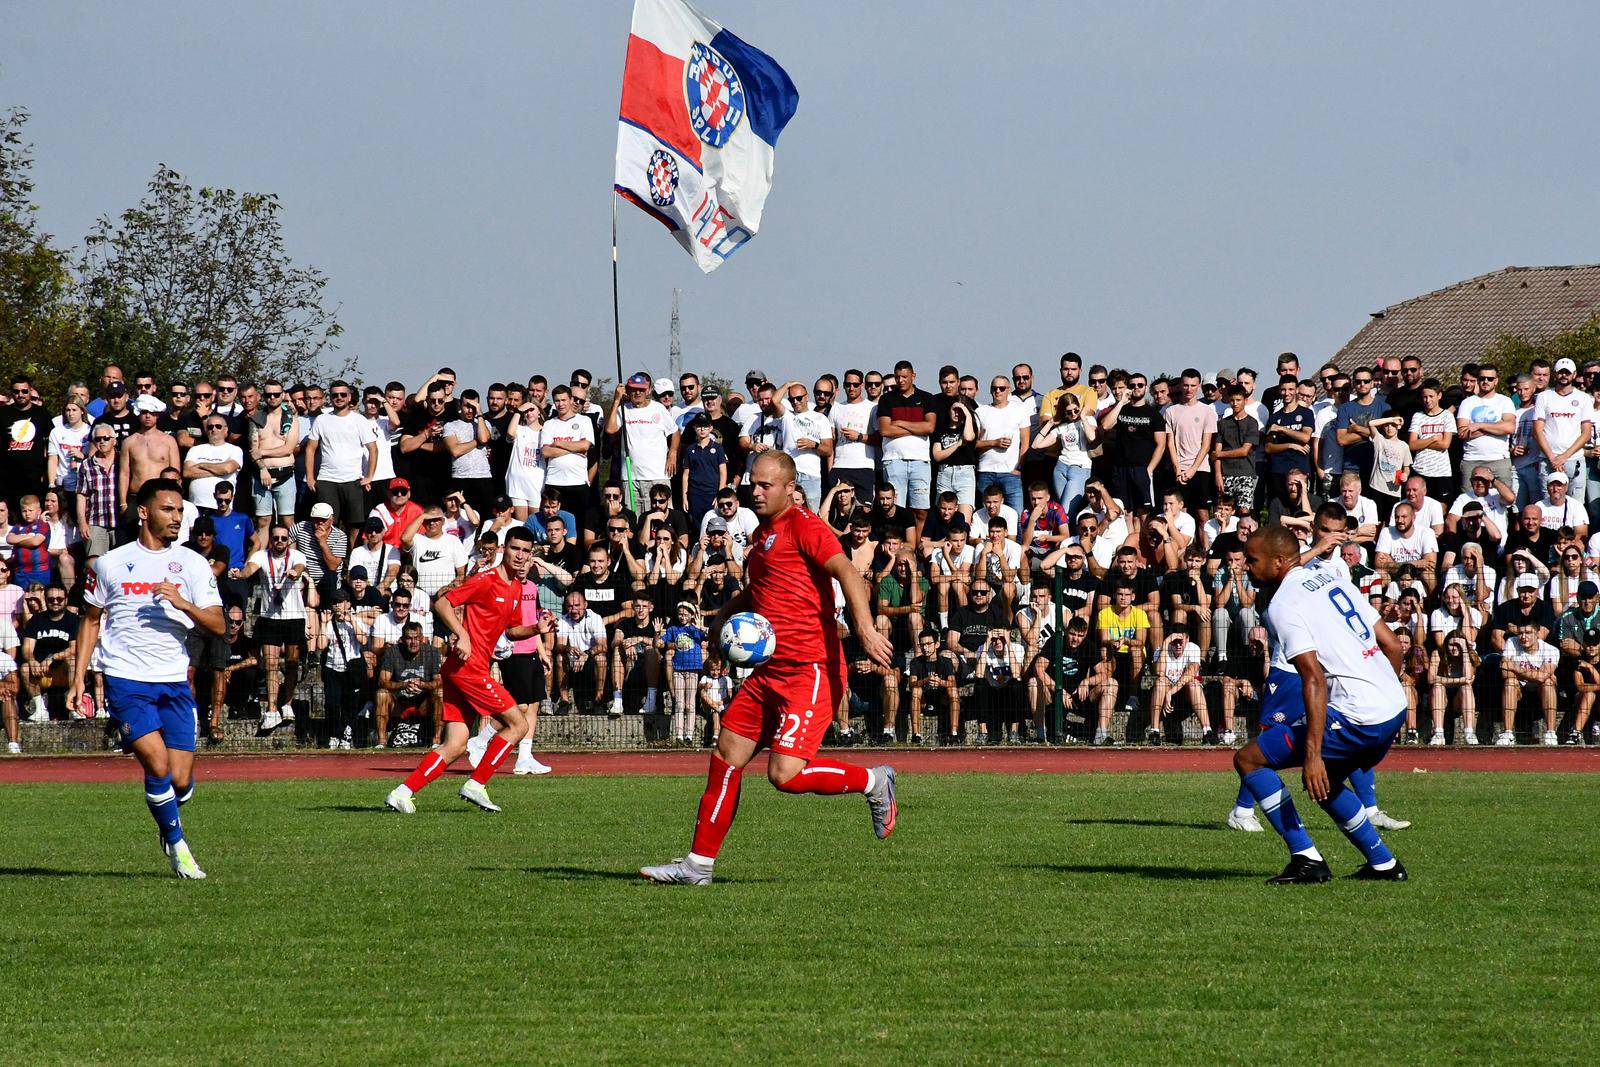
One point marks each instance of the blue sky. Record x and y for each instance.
(1156, 185)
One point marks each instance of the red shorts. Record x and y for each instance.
(462, 690)
(787, 708)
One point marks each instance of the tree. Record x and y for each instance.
(195, 283)
(40, 328)
(1514, 355)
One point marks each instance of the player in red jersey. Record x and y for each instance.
(786, 705)
(477, 612)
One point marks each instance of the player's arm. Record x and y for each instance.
(858, 600)
(210, 618)
(445, 612)
(1314, 685)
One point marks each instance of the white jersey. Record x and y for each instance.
(143, 639)
(1314, 610)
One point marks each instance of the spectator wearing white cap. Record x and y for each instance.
(1557, 509)
(324, 546)
(146, 452)
(1563, 423)
(1523, 607)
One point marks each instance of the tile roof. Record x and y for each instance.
(1454, 325)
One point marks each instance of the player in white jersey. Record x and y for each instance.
(1283, 700)
(140, 601)
(1347, 662)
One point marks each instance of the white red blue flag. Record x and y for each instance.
(701, 113)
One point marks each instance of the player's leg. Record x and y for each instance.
(794, 766)
(719, 803)
(1347, 812)
(452, 744)
(1363, 782)
(1256, 764)
(512, 728)
(152, 715)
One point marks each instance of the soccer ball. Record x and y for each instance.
(748, 640)
(503, 648)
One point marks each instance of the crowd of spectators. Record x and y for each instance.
(1056, 561)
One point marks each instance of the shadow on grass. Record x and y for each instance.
(588, 874)
(1146, 822)
(1144, 870)
(57, 872)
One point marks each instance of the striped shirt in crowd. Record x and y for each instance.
(98, 486)
(304, 536)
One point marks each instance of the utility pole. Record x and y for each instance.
(675, 353)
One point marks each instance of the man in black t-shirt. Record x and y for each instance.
(970, 623)
(24, 441)
(889, 517)
(935, 681)
(1137, 430)
(1078, 586)
(48, 641)
(606, 593)
(955, 425)
(945, 514)
(635, 656)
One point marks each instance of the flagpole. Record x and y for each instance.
(625, 476)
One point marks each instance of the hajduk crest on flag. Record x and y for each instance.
(700, 117)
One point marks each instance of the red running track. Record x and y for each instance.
(392, 764)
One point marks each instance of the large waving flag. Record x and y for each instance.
(701, 114)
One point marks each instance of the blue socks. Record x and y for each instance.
(1365, 784)
(163, 803)
(1347, 811)
(1266, 789)
(1246, 799)
(185, 794)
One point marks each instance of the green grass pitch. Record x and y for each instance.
(1106, 918)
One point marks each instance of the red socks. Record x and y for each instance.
(498, 747)
(717, 807)
(828, 777)
(431, 767)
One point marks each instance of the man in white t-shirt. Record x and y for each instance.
(440, 559)
(1430, 513)
(1404, 541)
(341, 452)
(579, 654)
(740, 522)
(1557, 509)
(1358, 507)
(855, 419)
(1485, 423)
(651, 438)
(813, 442)
(1177, 671)
(211, 461)
(1003, 437)
(1527, 664)
(565, 442)
(1563, 423)
(1494, 497)
(767, 426)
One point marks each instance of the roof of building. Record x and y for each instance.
(1454, 325)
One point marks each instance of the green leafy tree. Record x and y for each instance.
(1514, 355)
(196, 282)
(40, 326)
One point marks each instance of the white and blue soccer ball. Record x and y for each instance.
(503, 648)
(748, 640)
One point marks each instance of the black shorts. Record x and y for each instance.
(207, 652)
(1201, 492)
(285, 633)
(523, 676)
(348, 500)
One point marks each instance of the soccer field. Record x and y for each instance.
(1009, 918)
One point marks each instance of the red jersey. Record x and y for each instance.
(488, 604)
(788, 584)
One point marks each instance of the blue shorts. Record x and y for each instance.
(1346, 746)
(1283, 703)
(140, 708)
